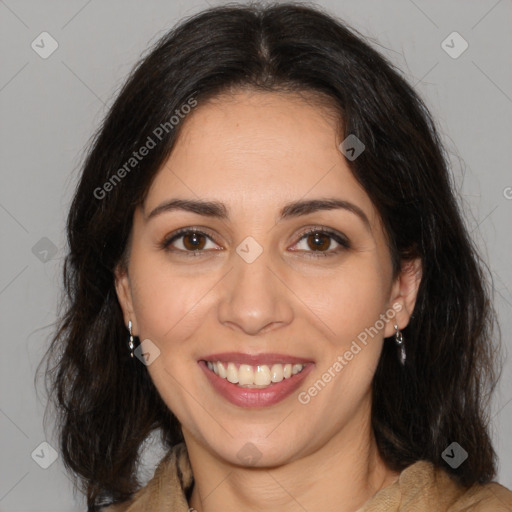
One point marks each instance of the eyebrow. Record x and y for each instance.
(206, 208)
(215, 209)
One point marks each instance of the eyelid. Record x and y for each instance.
(322, 229)
(169, 239)
(338, 237)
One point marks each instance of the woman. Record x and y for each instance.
(267, 265)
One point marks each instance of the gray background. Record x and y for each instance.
(50, 107)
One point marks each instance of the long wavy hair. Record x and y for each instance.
(106, 404)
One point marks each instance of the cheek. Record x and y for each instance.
(348, 301)
(351, 305)
(170, 310)
(168, 307)
(166, 302)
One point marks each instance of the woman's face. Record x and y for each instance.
(253, 290)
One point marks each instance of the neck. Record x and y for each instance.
(342, 475)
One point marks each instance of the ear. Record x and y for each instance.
(124, 295)
(403, 294)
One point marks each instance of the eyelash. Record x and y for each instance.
(340, 239)
(337, 237)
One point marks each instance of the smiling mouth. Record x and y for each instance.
(254, 376)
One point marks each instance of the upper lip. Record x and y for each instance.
(255, 359)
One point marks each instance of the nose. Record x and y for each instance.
(254, 298)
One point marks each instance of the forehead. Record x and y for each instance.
(258, 149)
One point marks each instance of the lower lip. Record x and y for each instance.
(254, 397)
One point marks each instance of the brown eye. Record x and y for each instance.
(322, 242)
(318, 241)
(190, 242)
(194, 241)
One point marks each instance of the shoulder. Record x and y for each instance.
(166, 490)
(423, 487)
(481, 498)
(477, 498)
(448, 495)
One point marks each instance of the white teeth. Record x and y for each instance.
(262, 375)
(221, 371)
(232, 373)
(296, 368)
(254, 376)
(245, 375)
(277, 373)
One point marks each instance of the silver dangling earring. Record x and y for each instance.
(131, 346)
(399, 340)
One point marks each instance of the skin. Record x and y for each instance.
(256, 152)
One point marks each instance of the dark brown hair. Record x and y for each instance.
(107, 404)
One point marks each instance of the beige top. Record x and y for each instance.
(420, 487)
